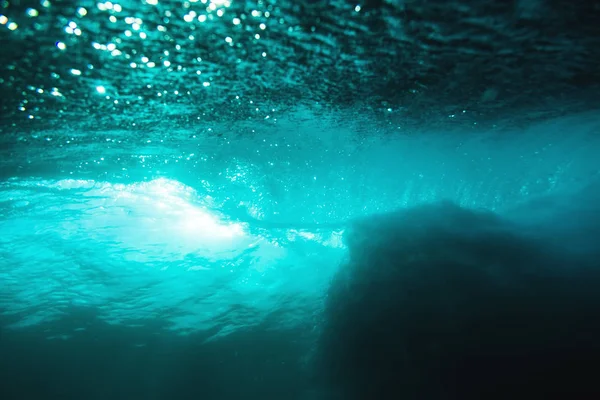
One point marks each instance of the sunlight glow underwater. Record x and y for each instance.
(150, 250)
(166, 213)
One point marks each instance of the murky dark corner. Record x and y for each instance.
(299, 200)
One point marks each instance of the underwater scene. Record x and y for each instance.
(299, 200)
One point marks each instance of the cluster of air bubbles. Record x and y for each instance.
(150, 41)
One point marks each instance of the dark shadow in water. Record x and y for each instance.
(440, 302)
(119, 363)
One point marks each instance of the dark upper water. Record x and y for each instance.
(220, 199)
(183, 63)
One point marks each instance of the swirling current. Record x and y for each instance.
(319, 200)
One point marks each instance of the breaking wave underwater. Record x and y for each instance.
(273, 199)
(422, 298)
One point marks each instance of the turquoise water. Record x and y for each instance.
(225, 232)
(141, 251)
(224, 199)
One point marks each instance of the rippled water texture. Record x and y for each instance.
(140, 63)
(144, 251)
(179, 180)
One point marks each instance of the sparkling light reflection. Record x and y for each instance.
(134, 39)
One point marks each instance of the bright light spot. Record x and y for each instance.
(76, 72)
(180, 219)
(143, 35)
(61, 45)
(97, 46)
(12, 26)
(357, 8)
(152, 2)
(161, 28)
(228, 39)
(32, 12)
(72, 25)
(115, 53)
(112, 19)
(201, 18)
(257, 36)
(188, 18)
(255, 13)
(128, 33)
(133, 65)
(136, 27)
(82, 12)
(262, 26)
(101, 89)
(206, 84)
(45, 3)
(167, 63)
(197, 222)
(264, 54)
(3, 19)
(111, 46)
(151, 64)
(220, 13)
(118, 8)
(236, 21)
(145, 59)
(77, 32)
(307, 235)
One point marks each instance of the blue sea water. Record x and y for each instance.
(255, 241)
(223, 200)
